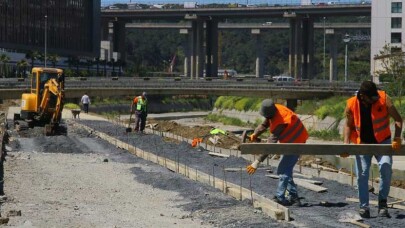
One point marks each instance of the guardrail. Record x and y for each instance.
(178, 83)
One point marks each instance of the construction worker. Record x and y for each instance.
(285, 127)
(368, 122)
(141, 111)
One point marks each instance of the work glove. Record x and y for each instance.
(396, 144)
(251, 169)
(253, 138)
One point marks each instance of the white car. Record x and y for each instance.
(283, 79)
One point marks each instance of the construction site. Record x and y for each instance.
(97, 174)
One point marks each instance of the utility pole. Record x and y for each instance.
(46, 28)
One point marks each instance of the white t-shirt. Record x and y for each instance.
(85, 99)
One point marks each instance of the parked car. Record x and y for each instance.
(283, 79)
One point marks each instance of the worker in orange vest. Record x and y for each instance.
(140, 106)
(285, 127)
(368, 122)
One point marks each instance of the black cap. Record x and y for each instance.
(268, 109)
(369, 89)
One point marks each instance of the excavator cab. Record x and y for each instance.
(44, 103)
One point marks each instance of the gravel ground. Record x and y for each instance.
(314, 214)
(79, 180)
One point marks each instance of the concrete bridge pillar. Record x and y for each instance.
(333, 55)
(298, 49)
(211, 37)
(200, 49)
(187, 51)
(104, 30)
(193, 49)
(259, 53)
(119, 39)
(307, 48)
(291, 56)
(292, 104)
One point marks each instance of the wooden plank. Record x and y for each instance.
(319, 149)
(374, 202)
(310, 186)
(303, 183)
(309, 181)
(316, 166)
(219, 155)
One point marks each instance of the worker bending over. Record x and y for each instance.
(285, 127)
(141, 112)
(368, 122)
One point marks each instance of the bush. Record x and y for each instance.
(71, 106)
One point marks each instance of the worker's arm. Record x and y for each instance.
(261, 128)
(349, 126)
(393, 112)
(134, 102)
(273, 139)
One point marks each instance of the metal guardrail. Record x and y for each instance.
(179, 83)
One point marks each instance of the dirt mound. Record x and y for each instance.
(229, 141)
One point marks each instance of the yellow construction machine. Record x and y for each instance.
(43, 105)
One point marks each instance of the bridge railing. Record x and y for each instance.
(165, 83)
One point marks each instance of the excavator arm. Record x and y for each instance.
(51, 104)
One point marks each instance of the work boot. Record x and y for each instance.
(364, 212)
(280, 201)
(295, 201)
(383, 209)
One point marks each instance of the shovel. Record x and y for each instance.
(129, 129)
(351, 216)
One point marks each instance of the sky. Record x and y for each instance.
(201, 2)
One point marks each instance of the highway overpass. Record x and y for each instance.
(250, 87)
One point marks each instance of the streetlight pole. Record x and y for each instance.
(346, 39)
(46, 28)
(324, 49)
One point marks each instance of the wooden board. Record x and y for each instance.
(319, 149)
(374, 202)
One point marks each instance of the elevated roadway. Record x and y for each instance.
(106, 87)
(256, 12)
(263, 26)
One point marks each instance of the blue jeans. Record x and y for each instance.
(285, 172)
(363, 163)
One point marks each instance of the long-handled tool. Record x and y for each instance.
(129, 129)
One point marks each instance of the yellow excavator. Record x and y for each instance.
(43, 105)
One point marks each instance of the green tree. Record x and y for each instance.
(4, 59)
(53, 58)
(392, 64)
(32, 56)
(22, 68)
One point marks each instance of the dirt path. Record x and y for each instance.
(79, 180)
(80, 190)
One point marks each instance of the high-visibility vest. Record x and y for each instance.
(295, 131)
(141, 104)
(379, 118)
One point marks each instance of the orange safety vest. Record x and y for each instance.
(379, 118)
(295, 131)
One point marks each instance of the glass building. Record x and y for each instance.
(72, 26)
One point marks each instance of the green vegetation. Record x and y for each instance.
(227, 120)
(71, 106)
(330, 135)
(238, 103)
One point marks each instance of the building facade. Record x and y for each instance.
(64, 27)
(387, 28)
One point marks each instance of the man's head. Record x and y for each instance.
(268, 109)
(144, 94)
(368, 92)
